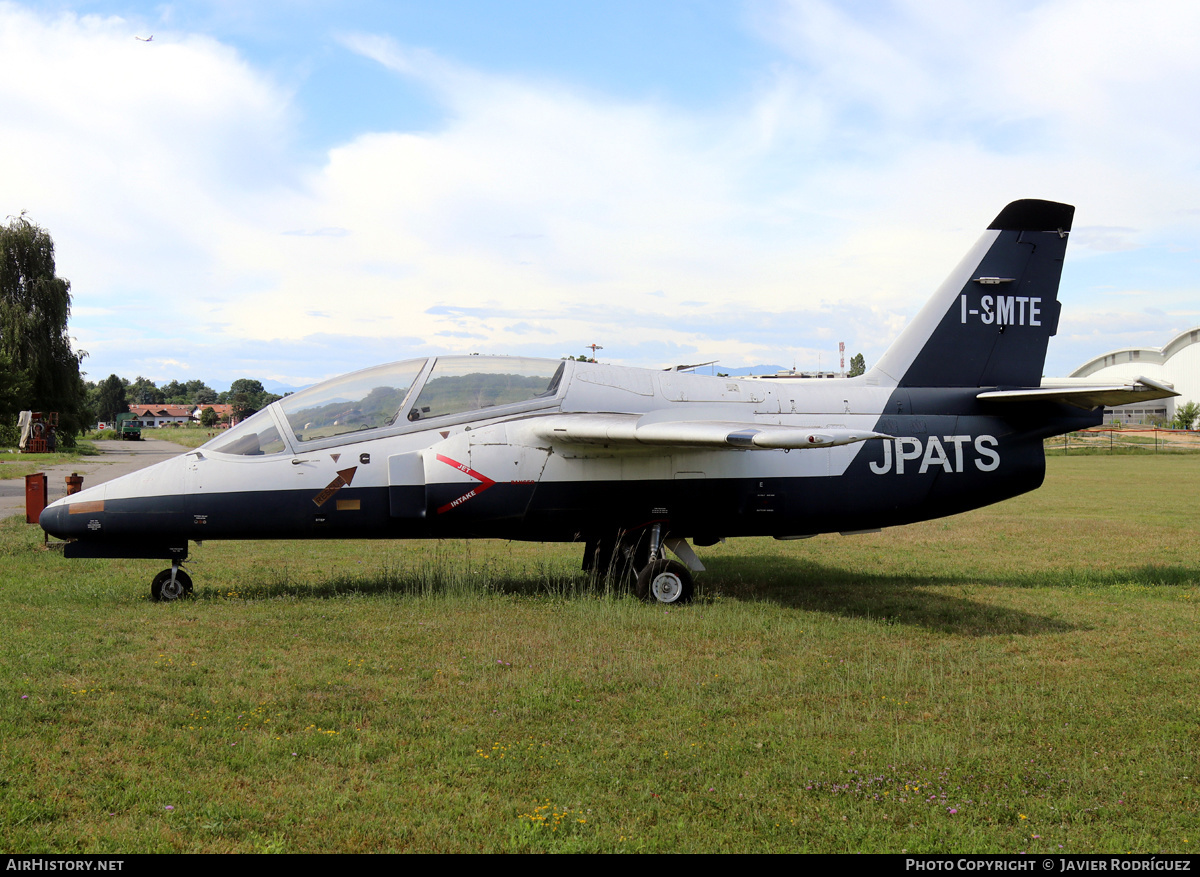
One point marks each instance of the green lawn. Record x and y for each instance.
(17, 465)
(1017, 678)
(190, 436)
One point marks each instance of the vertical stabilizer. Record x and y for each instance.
(989, 323)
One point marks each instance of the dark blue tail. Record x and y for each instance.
(988, 325)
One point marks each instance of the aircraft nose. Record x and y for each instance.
(51, 519)
(58, 518)
(54, 520)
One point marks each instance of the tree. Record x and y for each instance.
(175, 393)
(858, 366)
(190, 393)
(34, 306)
(200, 393)
(249, 396)
(1185, 415)
(14, 387)
(111, 399)
(250, 387)
(241, 406)
(144, 392)
(208, 417)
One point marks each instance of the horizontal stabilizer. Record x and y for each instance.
(1086, 396)
(631, 431)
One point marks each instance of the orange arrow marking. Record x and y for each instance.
(344, 477)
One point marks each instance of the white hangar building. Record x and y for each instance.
(1177, 363)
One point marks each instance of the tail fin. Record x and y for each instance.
(989, 323)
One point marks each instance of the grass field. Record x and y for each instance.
(15, 465)
(1019, 678)
(190, 436)
(187, 436)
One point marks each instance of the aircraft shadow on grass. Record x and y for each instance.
(923, 600)
(918, 601)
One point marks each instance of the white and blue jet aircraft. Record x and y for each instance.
(635, 462)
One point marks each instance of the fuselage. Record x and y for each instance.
(373, 460)
(951, 417)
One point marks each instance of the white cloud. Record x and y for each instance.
(838, 192)
(140, 158)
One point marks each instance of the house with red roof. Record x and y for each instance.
(160, 415)
(224, 412)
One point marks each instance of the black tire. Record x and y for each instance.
(161, 590)
(665, 581)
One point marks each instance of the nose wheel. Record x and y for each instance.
(171, 584)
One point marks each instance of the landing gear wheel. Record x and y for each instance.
(164, 590)
(665, 581)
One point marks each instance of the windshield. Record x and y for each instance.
(366, 399)
(469, 383)
(250, 438)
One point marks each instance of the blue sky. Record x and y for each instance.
(289, 191)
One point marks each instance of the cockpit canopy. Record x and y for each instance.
(367, 399)
(396, 396)
(459, 384)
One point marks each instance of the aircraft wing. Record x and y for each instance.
(649, 430)
(1084, 395)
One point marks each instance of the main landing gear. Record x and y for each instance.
(171, 584)
(665, 581)
(635, 557)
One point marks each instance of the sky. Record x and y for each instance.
(288, 191)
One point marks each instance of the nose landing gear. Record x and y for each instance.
(171, 584)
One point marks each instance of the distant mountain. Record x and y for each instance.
(279, 388)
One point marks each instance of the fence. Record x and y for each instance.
(1126, 440)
